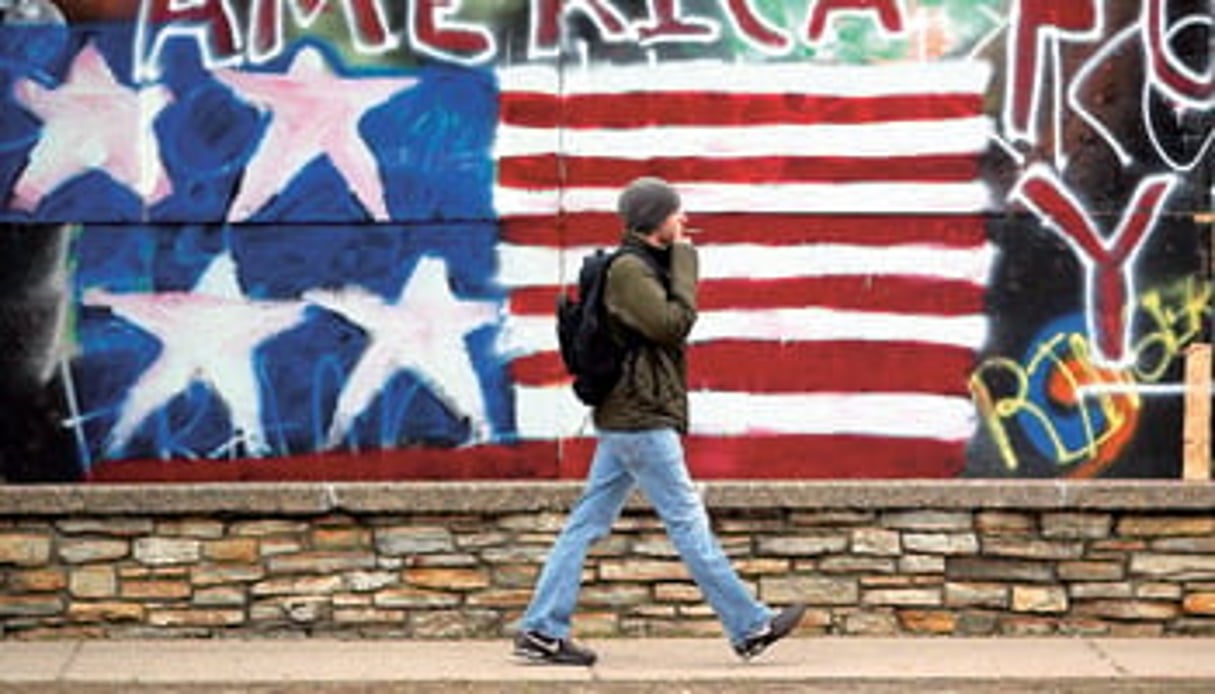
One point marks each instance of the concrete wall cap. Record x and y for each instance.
(313, 498)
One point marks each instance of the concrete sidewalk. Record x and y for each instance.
(625, 665)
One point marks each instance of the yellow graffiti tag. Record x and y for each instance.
(1067, 360)
(1177, 315)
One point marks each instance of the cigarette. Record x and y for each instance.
(688, 230)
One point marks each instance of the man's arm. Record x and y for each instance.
(635, 294)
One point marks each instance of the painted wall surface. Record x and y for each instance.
(311, 239)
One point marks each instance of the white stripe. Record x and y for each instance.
(525, 335)
(554, 412)
(528, 266)
(888, 139)
(861, 198)
(964, 77)
(788, 324)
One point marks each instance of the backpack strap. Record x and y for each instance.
(632, 338)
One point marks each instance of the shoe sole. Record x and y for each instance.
(534, 658)
(777, 635)
(752, 655)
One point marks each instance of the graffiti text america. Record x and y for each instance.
(433, 29)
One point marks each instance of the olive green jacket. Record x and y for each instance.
(653, 390)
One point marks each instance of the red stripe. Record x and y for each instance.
(531, 460)
(539, 369)
(603, 229)
(888, 293)
(771, 457)
(547, 171)
(838, 367)
(822, 457)
(536, 301)
(641, 109)
(799, 367)
(870, 293)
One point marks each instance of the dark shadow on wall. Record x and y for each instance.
(34, 444)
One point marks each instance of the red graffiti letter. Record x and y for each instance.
(665, 24)
(889, 13)
(1108, 278)
(366, 19)
(1033, 24)
(435, 33)
(755, 30)
(1167, 70)
(546, 23)
(210, 23)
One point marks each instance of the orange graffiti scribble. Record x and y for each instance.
(1063, 386)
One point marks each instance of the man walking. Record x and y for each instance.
(651, 292)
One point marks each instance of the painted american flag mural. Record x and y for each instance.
(833, 338)
(330, 255)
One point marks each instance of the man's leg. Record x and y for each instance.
(657, 462)
(556, 595)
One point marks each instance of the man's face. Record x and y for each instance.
(671, 229)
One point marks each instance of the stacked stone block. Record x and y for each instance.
(864, 571)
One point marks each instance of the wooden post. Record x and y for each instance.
(1196, 443)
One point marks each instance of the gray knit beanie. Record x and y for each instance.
(646, 203)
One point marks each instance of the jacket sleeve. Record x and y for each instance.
(636, 296)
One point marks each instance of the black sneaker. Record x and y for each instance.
(538, 648)
(776, 629)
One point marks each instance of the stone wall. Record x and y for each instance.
(437, 560)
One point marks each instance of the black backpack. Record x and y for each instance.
(591, 354)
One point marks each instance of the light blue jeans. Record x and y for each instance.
(653, 460)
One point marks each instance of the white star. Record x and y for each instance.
(422, 332)
(206, 335)
(92, 121)
(312, 113)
